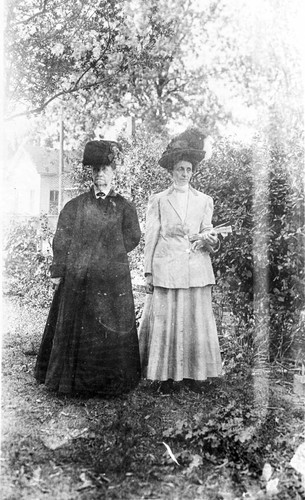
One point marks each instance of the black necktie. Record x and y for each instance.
(100, 194)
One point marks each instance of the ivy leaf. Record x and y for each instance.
(267, 472)
(272, 487)
(196, 462)
(58, 49)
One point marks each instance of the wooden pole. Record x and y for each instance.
(133, 126)
(61, 159)
(132, 132)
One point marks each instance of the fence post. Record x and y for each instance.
(61, 158)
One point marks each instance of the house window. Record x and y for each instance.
(53, 210)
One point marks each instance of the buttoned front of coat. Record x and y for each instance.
(168, 255)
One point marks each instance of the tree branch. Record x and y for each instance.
(40, 13)
(96, 61)
(40, 108)
(176, 89)
(73, 89)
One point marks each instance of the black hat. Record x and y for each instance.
(100, 153)
(186, 146)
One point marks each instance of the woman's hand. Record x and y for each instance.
(149, 287)
(56, 282)
(196, 241)
(197, 244)
(210, 238)
(203, 240)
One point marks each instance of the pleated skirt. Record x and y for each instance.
(178, 336)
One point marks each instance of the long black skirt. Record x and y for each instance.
(90, 341)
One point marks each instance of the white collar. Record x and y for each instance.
(105, 191)
(181, 189)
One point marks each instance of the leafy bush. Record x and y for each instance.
(238, 437)
(229, 434)
(26, 263)
(139, 177)
(260, 267)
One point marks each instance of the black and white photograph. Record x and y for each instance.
(153, 250)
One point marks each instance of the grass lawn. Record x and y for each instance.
(235, 441)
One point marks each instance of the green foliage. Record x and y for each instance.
(229, 435)
(106, 59)
(141, 174)
(260, 267)
(228, 178)
(285, 247)
(139, 177)
(27, 263)
(242, 439)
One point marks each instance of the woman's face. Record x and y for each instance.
(182, 173)
(102, 176)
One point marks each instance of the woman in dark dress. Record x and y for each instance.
(90, 341)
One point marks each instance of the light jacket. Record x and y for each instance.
(167, 254)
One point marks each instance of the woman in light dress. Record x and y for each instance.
(178, 337)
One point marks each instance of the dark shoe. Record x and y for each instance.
(192, 385)
(154, 386)
(167, 387)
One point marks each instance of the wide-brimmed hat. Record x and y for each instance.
(186, 146)
(101, 152)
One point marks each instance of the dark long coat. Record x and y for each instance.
(90, 340)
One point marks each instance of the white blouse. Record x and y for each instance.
(182, 196)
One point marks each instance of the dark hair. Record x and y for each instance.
(112, 165)
(184, 157)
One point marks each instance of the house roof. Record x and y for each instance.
(46, 160)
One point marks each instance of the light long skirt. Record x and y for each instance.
(177, 336)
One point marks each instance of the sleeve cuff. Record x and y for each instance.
(57, 271)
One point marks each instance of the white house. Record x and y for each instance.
(31, 183)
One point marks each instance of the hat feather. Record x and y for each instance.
(188, 145)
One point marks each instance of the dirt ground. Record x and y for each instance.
(56, 447)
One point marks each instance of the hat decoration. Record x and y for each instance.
(101, 152)
(186, 146)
